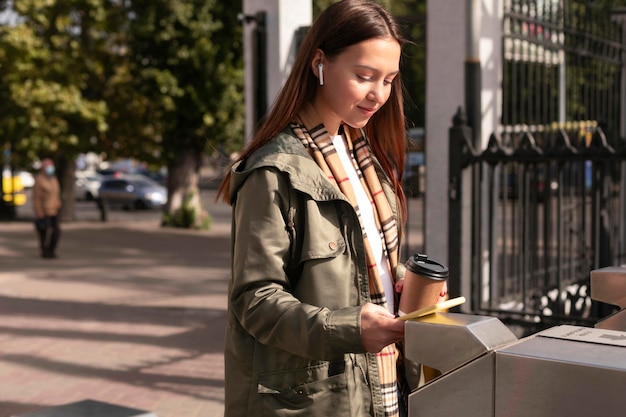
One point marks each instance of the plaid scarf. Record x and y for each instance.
(319, 144)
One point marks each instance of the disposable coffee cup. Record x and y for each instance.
(423, 282)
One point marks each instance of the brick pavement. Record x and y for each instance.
(130, 314)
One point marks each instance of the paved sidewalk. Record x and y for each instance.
(130, 313)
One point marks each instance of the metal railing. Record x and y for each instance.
(543, 204)
(547, 207)
(553, 209)
(562, 60)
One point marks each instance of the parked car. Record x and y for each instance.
(160, 176)
(86, 185)
(132, 192)
(110, 171)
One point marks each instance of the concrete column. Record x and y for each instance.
(448, 47)
(282, 19)
(491, 102)
(492, 67)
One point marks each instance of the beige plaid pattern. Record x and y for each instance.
(319, 144)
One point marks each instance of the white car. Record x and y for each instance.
(86, 185)
(130, 191)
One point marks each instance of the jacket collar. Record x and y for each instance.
(287, 154)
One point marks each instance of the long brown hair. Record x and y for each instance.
(341, 25)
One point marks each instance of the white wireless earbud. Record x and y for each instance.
(320, 70)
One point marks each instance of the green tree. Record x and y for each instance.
(186, 61)
(45, 70)
(156, 80)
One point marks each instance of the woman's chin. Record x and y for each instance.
(356, 124)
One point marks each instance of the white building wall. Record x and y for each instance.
(446, 40)
(283, 18)
(491, 59)
(447, 48)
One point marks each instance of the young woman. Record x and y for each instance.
(317, 216)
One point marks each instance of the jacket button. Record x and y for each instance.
(332, 245)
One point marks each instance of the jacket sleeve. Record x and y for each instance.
(260, 292)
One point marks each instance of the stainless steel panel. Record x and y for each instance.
(608, 285)
(566, 370)
(615, 321)
(465, 392)
(586, 334)
(445, 341)
(547, 377)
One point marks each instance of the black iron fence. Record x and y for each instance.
(546, 208)
(544, 203)
(562, 60)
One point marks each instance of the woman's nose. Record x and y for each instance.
(377, 93)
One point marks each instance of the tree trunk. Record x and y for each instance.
(184, 207)
(66, 171)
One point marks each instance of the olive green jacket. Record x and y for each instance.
(299, 281)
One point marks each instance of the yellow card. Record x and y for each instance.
(434, 308)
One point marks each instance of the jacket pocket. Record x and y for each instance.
(312, 391)
(322, 232)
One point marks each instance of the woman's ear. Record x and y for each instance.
(318, 58)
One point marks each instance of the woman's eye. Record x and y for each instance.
(370, 78)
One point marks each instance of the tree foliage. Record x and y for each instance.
(185, 61)
(45, 72)
(411, 15)
(135, 78)
(160, 81)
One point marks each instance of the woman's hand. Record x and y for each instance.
(379, 328)
(443, 295)
(399, 285)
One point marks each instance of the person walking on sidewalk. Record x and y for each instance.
(318, 209)
(47, 205)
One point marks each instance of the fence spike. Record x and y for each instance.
(459, 118)
(599, 143)
(528, 149)
(495, 151)
(562, 146)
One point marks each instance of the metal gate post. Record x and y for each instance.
(270, 44)
(459, 220)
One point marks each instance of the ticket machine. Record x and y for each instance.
(571, 371)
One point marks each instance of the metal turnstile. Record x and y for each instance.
(571, 371)
(608, 285)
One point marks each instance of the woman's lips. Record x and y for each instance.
(367, 112)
